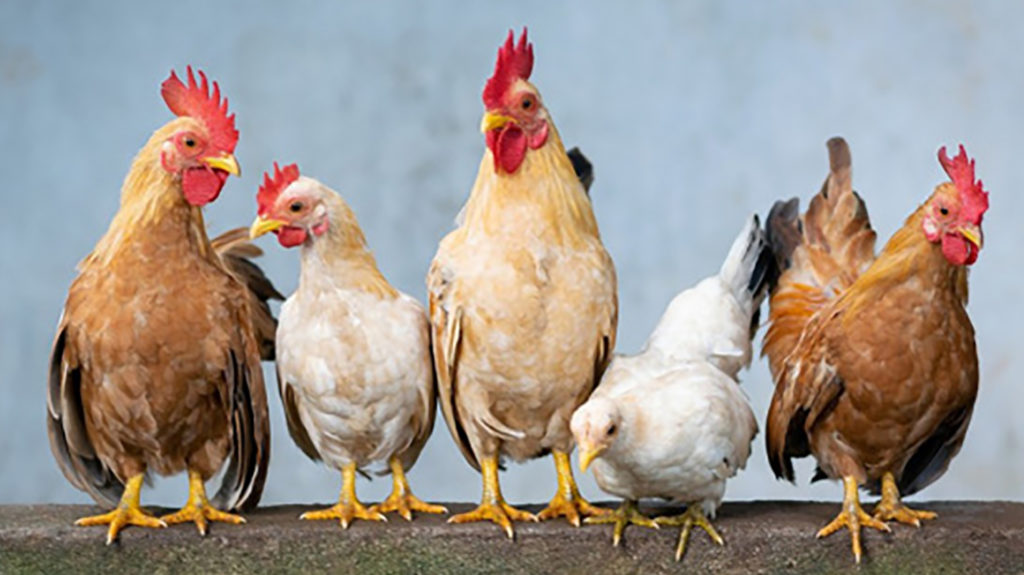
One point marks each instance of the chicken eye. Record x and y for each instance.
(611, 429)
(295, 207)
(944, 211)
(527, 103)
(190, 143)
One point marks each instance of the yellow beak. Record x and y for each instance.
(225, 162)
(494, 121)
(972, 234)
(588, 455)
(262, 226)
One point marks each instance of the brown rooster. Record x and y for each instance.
(874, 362)
(156, 362)
(522, 298)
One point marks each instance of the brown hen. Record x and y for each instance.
(156, 362)
(874, 360)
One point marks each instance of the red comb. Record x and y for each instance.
(973, 197)
(514, 62)
(196, 101)
(272, 187)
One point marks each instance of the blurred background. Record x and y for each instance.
(695, 114)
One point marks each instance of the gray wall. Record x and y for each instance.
(695, 115)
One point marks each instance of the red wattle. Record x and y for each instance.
(509, 148)
(291, 236)
(202, 185)
(958, 251)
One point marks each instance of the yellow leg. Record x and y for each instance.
(568, 502)
(626, 514)
(492, 505)
(127, 512)
(693, 515)
(891, 507)
(852, 517)
(198, 508)
(348, 506)
(401, 499)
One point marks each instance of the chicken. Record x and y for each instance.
(353, 368)
(522, 299)
(156, 362)
(874, 360)
(671, 421)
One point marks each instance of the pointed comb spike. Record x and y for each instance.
(973, 197)
(273, 186)
(514, 62)
(195, 101)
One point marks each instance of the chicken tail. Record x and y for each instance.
(750, 269)
(819, 255)
(583, 167)
(237, 251)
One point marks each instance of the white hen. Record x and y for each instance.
(353, 353)
(672, 422)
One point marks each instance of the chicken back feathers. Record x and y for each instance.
(873, 358)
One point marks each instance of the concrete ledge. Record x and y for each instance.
(761, 537)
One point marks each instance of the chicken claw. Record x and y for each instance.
(890, 507)
(853, 517)
(126, 513)
(693, 515)
(401, 499)
(199, 509)
(568, 502)
(626, 514)
(348, 506)
(493, 506)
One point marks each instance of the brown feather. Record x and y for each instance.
(236, 250)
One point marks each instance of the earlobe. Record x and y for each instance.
(164, 153)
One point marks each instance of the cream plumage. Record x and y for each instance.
(672, 421)
(522, 299)
(353, 360)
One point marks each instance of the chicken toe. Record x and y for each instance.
(626, 514)
(568, 502)
(401, 499)
(853, 517)
(126, 513)
(198, 508)
(348, 507)
(891, 507)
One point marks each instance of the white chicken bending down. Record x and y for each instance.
(353, 353)
(672, 422)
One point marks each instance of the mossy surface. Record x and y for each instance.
(761, 537)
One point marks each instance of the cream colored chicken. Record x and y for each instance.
(522, 299)
(672, 421)
(353, 353)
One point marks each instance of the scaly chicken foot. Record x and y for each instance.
(126, 513)
(568, 502)
(626, 514)
(891, 507)
(694, 515)
(198, 508)
(853, 517)
(492, 506)
(348, 507)
(401, 499)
